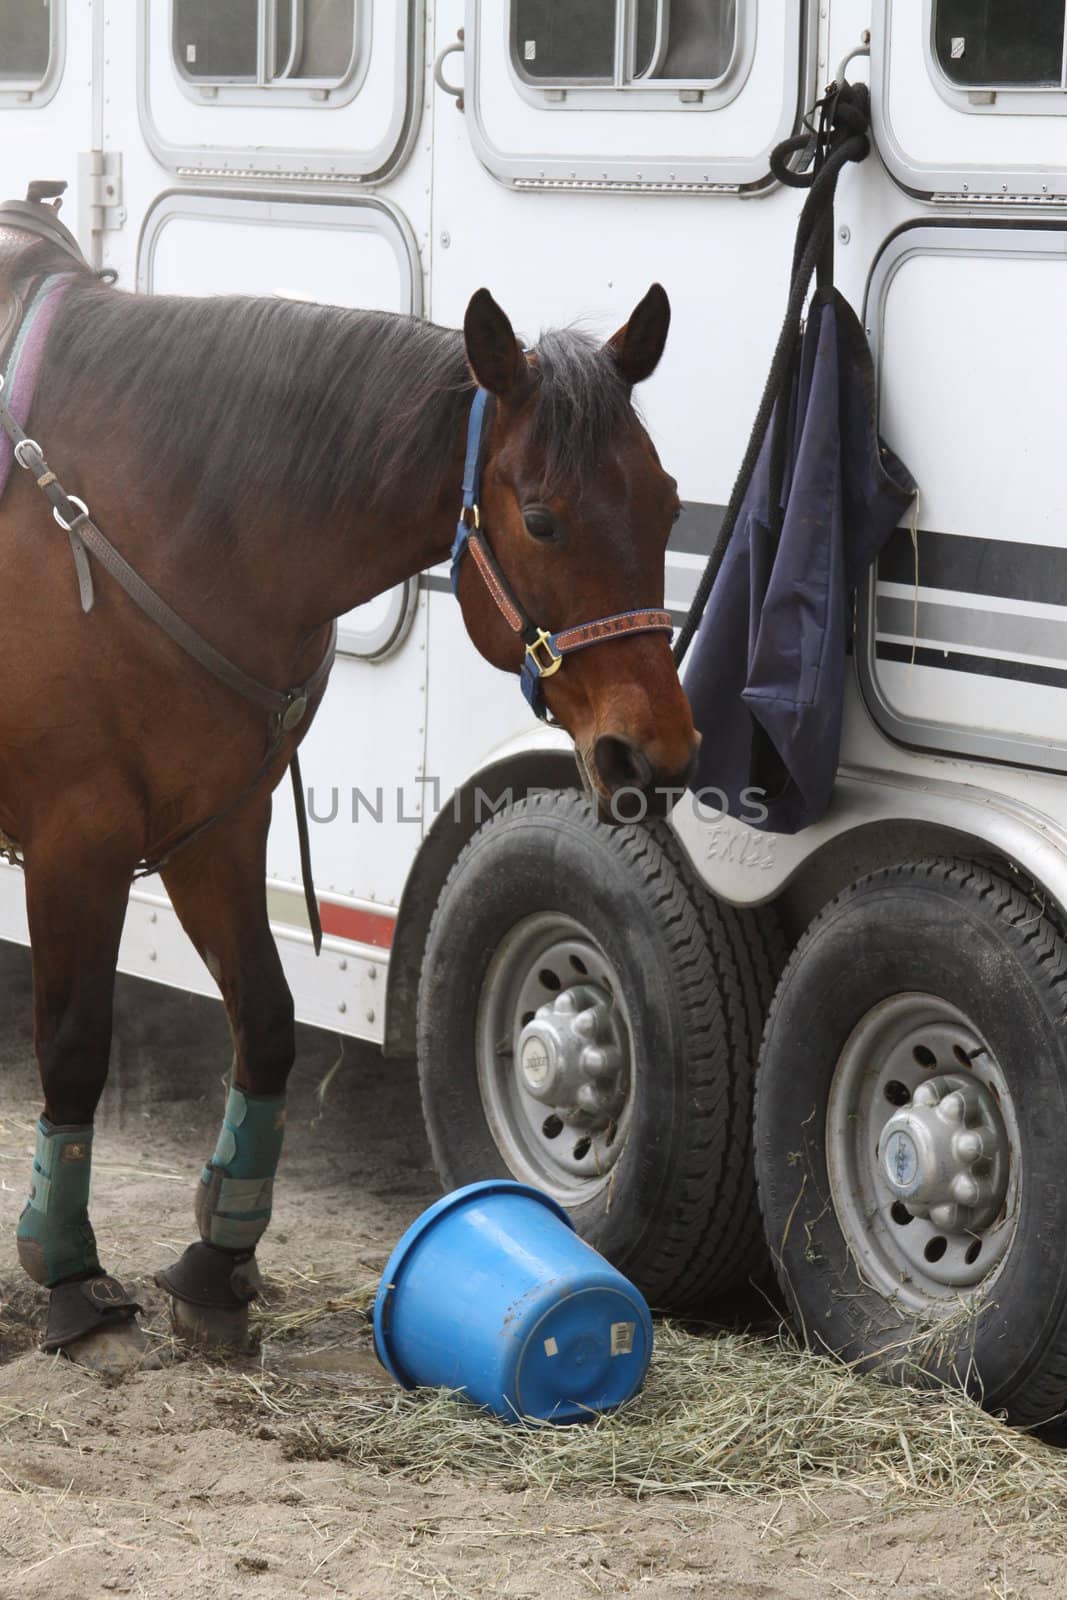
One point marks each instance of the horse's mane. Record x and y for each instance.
(231, 402)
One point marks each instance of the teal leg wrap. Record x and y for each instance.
(55, 1237)
(233, 1202)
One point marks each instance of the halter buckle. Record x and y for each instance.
(555, 659)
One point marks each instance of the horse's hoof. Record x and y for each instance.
(113, 1351)
(210, 1327)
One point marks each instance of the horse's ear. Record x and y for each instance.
(494, 353)
(638, 345)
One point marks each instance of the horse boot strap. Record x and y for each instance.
(55, 1238)
(215, 1279)
(75, 1309)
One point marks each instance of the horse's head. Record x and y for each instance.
(573, 516)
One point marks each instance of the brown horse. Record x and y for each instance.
(265, 466)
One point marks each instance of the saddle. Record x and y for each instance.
(34, 216)
(27, 228)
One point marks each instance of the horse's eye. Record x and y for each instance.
(540, 523)
(677, 513)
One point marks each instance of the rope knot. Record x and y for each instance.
(849, 116)
(837, 125)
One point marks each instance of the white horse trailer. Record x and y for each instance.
(394, 154)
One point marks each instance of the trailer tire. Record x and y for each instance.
(758, 949)
(911, 1107)
(547, 904)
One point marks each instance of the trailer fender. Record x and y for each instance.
(877, 819)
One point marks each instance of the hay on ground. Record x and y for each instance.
(723, 1413)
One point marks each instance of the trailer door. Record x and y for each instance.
(293, 88)
(360, 759)
(969, 99)
(966, 645)
(554, 89)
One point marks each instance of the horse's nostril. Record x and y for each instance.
(621, 765)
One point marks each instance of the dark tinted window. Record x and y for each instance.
(217, 39)
(700, 39)
(25, 40)
(326, 39)
(647, 40)
(1000, 43)
(573, 41)
(554, 41)
(283, 38)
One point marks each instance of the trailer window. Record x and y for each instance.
(623, 44)
(25, 42)
(570, 44)
(265, 43)
(985, 44)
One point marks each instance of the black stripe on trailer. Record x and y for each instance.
(982, 666)
(956, 561)
(694, 532)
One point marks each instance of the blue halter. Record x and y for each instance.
(541, 658)
(544, 650)
(472, 482)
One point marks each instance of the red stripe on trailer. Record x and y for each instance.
(364, 927)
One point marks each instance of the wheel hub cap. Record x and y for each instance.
(944, 1155)
(570, 1059)
(923, 1152)
(555, 1063)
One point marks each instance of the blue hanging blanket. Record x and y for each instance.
(767, 669)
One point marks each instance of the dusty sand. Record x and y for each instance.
(163, 1487)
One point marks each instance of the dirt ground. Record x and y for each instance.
(163, 1487)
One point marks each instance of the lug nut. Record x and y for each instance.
(968, 1146)
(596, 1062)
(952, 1106)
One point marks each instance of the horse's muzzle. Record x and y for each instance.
(629, 788)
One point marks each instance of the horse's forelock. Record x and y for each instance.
(583, 403)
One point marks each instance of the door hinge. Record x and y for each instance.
(100, 191)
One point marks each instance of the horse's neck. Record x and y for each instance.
(399, 517)
(370, 551)
(384, 552)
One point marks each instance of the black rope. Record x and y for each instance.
(840, 136)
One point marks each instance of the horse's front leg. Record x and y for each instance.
(76, 891)
(217, 887)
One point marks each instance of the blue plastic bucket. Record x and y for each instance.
(493, 1293)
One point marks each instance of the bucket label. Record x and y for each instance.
(551, 1347)
(622, 1338)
